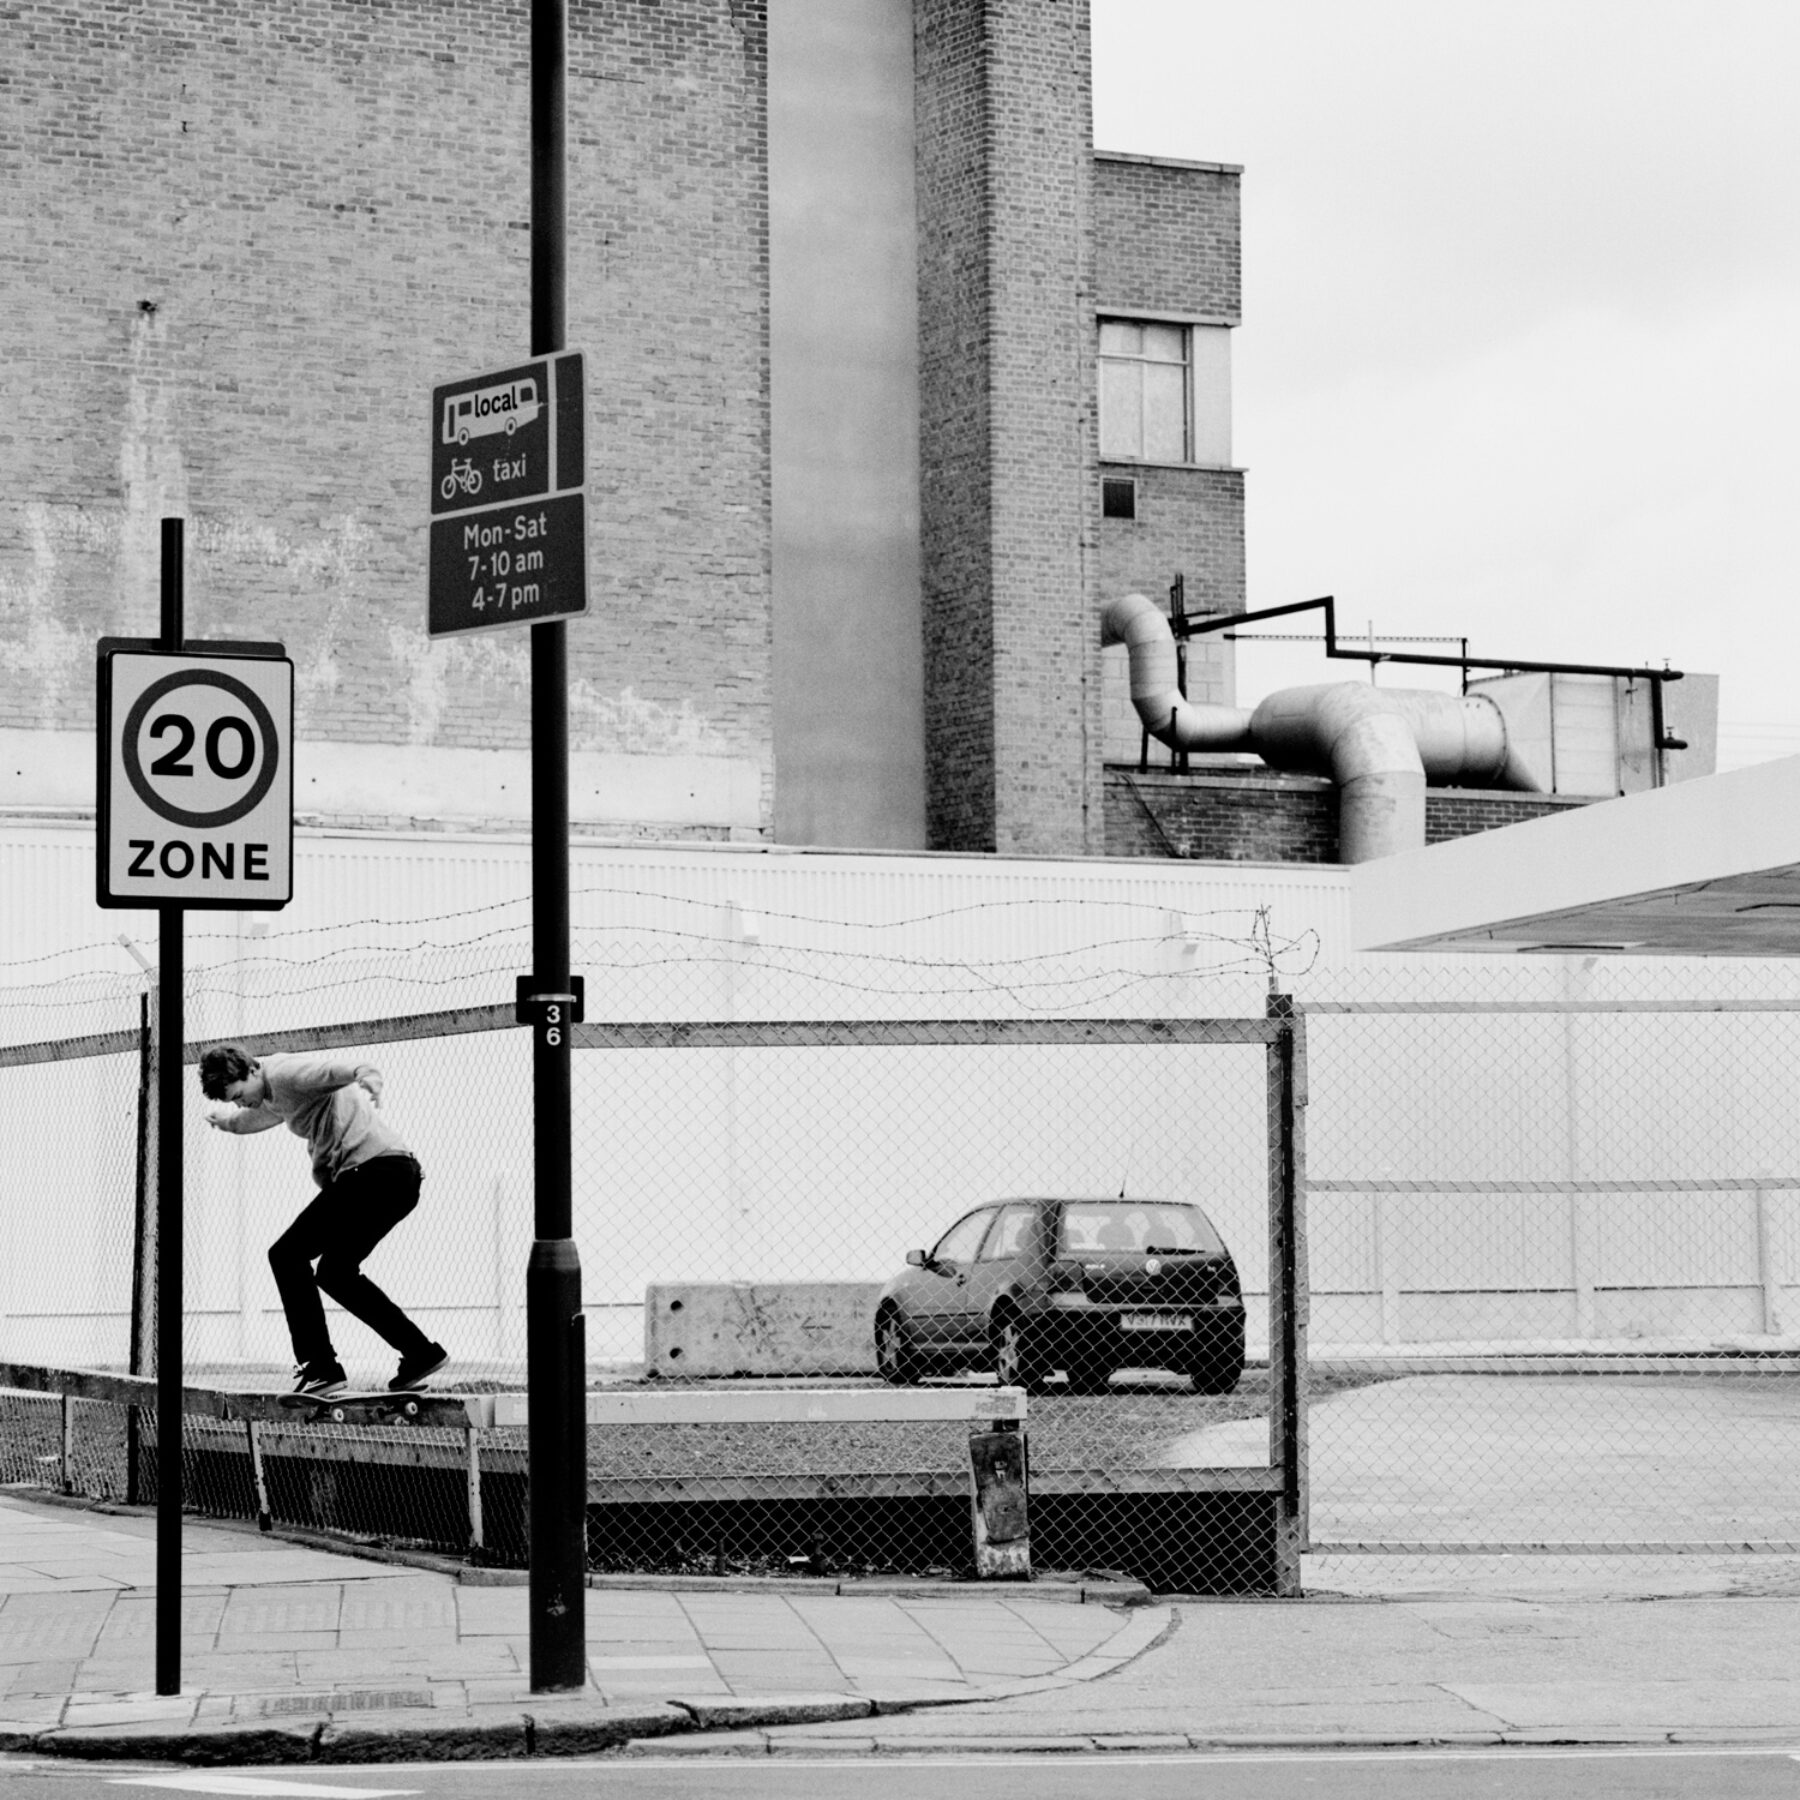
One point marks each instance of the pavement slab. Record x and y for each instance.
(299, 1655)
(292, 1653)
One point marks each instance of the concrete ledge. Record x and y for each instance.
(760, 1328)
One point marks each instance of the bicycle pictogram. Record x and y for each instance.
(463, 475)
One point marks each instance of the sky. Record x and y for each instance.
(1520, 351)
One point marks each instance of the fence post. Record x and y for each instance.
(1287, 1285)
(1768, 1275)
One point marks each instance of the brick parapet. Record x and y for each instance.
(1257, 816)
(1168, 236)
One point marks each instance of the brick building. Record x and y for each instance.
(867, 321)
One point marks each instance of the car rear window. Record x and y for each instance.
(1093, 1227)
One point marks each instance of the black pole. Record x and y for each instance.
(554, 1328)
(171, 1030)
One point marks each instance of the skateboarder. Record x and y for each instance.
(368, 1182)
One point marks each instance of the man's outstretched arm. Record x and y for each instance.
(241, 1121)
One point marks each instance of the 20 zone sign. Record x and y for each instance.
(195, 780)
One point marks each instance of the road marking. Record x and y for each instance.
(257, 1784)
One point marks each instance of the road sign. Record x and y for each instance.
(508, 520)
(196, 778)
(512, 565)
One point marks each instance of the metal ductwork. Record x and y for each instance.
(1380, 745)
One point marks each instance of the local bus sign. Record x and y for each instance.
(196, 776)
(508, 524)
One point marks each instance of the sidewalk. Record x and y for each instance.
(293, 1654)
(296, 1654)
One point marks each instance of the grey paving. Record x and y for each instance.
(296, 1654)
(1537, 1458)
(292, 1653)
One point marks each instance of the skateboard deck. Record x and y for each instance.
(373, 1406)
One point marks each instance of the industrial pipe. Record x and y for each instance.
(1380, 745)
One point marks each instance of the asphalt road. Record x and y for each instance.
(1751, 1774)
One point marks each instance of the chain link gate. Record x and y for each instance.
(909, 1125)
(1561, 1230)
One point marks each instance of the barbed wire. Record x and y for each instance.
(1216, 943)
(662, 899)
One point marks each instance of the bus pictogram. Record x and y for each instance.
(485, 411)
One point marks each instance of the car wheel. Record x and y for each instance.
(1014, 1358)
(894, 1358)
(1216, 1371)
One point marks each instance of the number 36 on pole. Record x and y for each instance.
(195, 776)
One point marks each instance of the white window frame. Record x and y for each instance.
(1206, 434)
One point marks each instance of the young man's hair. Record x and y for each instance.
(221, 1066)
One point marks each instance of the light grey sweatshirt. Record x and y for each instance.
(317, 1098)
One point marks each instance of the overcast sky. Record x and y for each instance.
(1521, 305)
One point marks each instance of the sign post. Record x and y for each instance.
(195, 788)
(509, 547)
(171, 1203)
(555, 1327)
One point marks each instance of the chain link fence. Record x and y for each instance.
(1555, 1205)
(1550, 1235)
(741, 1142)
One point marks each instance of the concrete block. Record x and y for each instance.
(760, 1328)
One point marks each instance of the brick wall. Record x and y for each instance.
(1262, 816)
(1189, 521)
(1167, 235)
(1461, 812)
(955, 491)
(238, 245)
(1220, 818)
(1007, 437)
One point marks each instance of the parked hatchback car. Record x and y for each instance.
(1027, 1287)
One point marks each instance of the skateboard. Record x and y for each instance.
(369, 1406)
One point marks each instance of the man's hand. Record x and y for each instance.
(219, 1115)
(369, 1080)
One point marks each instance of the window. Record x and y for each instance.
(1139, 1227)
(960, 1242)
(1143, 391)
(1165, 392)
(1008, 1239)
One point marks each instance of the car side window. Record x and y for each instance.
(959, 1243)
(1010, 1234)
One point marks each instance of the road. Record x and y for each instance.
(1762, 1773)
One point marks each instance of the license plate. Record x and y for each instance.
(1156, 1321)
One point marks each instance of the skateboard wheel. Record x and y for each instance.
(337, 1415)
(411, 1409)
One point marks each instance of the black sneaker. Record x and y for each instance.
(319, 1380)
(416, 1366)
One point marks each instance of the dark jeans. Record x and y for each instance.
(346, 1220)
